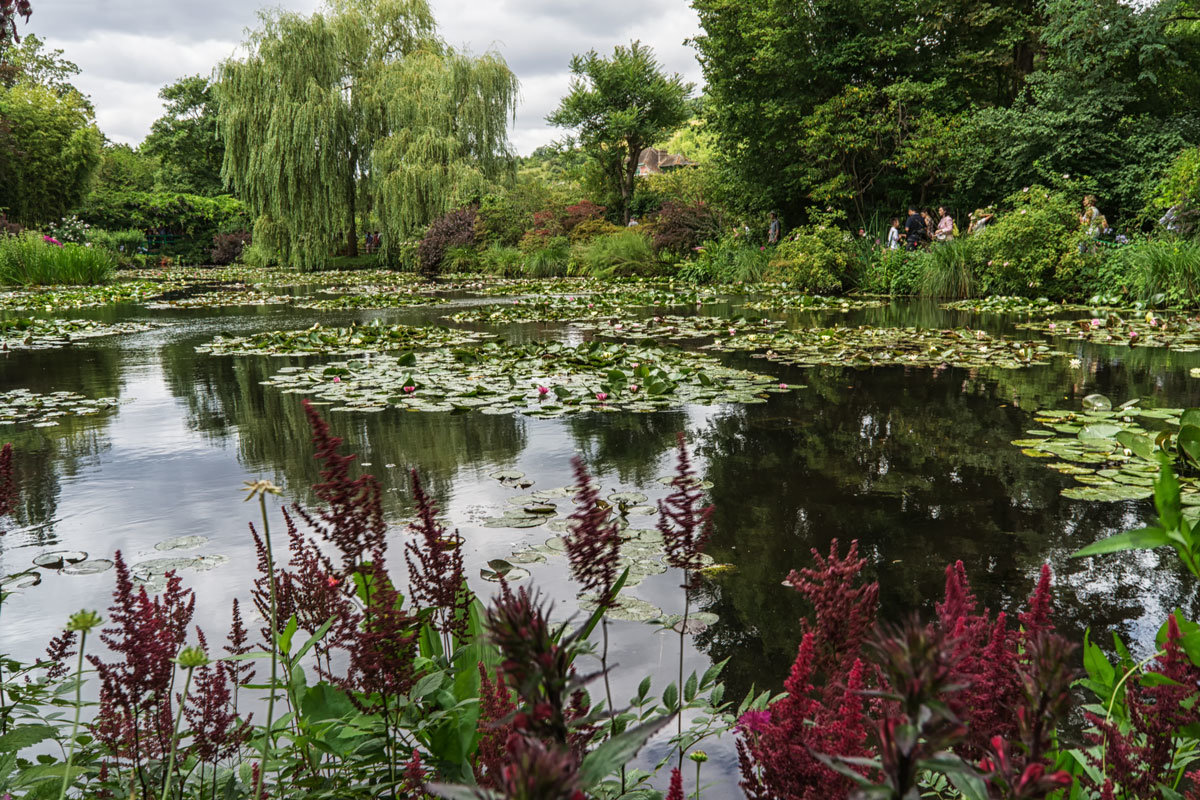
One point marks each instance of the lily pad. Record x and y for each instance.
(21, 580)
(44, 334)
(182, 543)
(92, 566)
(58, 559)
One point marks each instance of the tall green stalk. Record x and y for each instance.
(189, 658)
(261, 489)
(683, 623)
(83, 622)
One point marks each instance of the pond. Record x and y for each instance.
(914, 461)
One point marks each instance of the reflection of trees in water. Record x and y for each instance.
(224, 395)
(631, 444)
(921, 473)
(42, 457)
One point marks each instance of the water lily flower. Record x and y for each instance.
(1097, 322)
(1133, 334)
(732, 331)
(658, 319)
(601, 396)
(591, 305)
(570, 299)
(336, 379)
(618, 327)
(543, 390)
(633, 387)
(1052, 326)
(783, 386)
(1076, 363)
(410, 389)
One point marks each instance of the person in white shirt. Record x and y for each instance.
(893, 240)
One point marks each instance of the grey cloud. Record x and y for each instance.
(128, 49)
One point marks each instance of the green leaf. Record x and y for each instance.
(325, 702)
(618, 751)
(454, 792)
(671, 697)
(289, 631)
(1141, 539)
(1188, 440)
(689, 688)
(23, 736)
(1141, 446)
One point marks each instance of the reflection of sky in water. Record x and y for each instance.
(914, 463)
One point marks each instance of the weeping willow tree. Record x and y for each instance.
(359, 109)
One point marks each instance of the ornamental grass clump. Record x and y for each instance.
(29, 260)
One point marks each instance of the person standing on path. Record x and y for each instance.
(893, 240)
(945, 226)
(773, 229)
(914, 229)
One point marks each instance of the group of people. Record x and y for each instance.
(920, 229)
(372, 241)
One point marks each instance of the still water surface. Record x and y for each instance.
(913, 463)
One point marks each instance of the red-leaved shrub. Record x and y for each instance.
(454, 229)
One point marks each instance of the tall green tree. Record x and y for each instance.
(619, 106)
(125, 169)
(359, 109)
(49, 150)
(185, 140)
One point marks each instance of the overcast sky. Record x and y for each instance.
(128, 49)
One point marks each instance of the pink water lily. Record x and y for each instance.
(601, 396)
(1133, 334)
(633, 388)
(1052, 326)
(783, 386)
(336, 379)
(1153, 323)
(543, 390)
(1097, 322)
(410, 389)
(591, 305)
(732, 331)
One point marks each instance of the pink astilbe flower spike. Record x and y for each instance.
(593, 541)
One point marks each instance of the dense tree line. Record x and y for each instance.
(863, 104)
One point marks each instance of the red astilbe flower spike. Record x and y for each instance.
(135, 719)
(683, 520)
(242, 672)
(676, 790)
(58, 653)
(1041, 604)
(843, 610)
(539, 771)
(216, 731)
(412, 784)
(496, 708)
(353, 518)
(593, 541)
(382, 652)
(537, 664)
(435, 566)
(8, 487)
(1140, 759)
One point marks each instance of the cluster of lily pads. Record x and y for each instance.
(401, 298)
(539, 379)
(674, 328)
(69, 298)
(372, 337)
(1177, 331)
(642, 549)
(571, 308)
(44, 334)
(222, 298)
(1009, 304)
(867, 346)
(786, 301)
(1112, 452)
(43, 410)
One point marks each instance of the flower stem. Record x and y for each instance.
(698, 780)
(78, 707)
(187, 684)
(612, 711)
(266, 740)
(683, 623)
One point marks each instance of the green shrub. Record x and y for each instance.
(1033, 249)
(28, 260)
(590, 229)
(949, 269)
(815, 258)
(461, 258)
(124, 245)
(1166, 270)
(190, 221)
(550, 262)
(500, 260)
(895, 272)
(500, 221)
(621, 254)
(727, 260)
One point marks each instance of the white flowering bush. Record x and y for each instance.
(69, 229)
